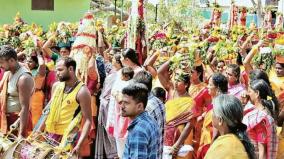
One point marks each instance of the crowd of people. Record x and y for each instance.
(199, 93)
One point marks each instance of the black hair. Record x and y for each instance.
(65, 47)
(221, 61)
(259, 74)
(236, 70)
(281, 64)
(127, 72)
(239, 59)
(186, 80)
(7, 52)
(35, 60)
(131, 55)
(159, 92)
(265, 92)
(221, 82)
(137, 91)
(144, 77)
(200, 71)
(117, 59)
(68, 62)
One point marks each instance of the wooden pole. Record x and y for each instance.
(115, 8)
(156, 13)
(121, 15)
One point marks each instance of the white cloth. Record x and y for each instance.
(120, 145)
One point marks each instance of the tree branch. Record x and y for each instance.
(253, 2)
(106, 6)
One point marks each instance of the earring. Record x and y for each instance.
(219, 123)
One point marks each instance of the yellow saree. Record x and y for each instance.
(178, 113)
(227, 147)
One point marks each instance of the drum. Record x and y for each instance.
(26, 150)
(5, 143)
(35, 148)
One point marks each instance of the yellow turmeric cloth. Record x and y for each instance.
(62, 109)
(277, 83)
(175, 109)
(227, 147)
(207, 128)
(194, 90)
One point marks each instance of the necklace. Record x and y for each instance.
(71, 88)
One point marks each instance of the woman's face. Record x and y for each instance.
(279, 70)
(115, 63)
(212, 89)
(232, 79)
(180, 86)
(220, 67)
(253, 95)
(31, 63)
(216, 121)
(124, 61)
(194, 75)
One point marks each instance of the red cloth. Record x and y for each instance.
(261, 128)
(50, 80)
(1, 73)
(244, 78)
(200, 101)
(172, 132)
(12, 118)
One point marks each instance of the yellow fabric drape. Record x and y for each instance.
(227, 147)
(176, 107)
(206, 137)
(62, 109)
(194, 90)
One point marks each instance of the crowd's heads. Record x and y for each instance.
(220, 66)
(181, 81)
(127, 73)
(259, 74)
(32, 62)
(134, 99)
(218, 84)
(129, 56)
(116, 62)
(145, 78)
(160, 93)
(227, 111)
(228, 115)
(260, 93)
(233, 73)
(8, 57)
(65, 68)
(197, 73)
(279, 67)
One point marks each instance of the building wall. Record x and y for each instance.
(64, 10)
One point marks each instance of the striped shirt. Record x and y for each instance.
(156, 108)
(143, 138)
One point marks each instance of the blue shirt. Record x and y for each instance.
(156, 108)
(143, 138)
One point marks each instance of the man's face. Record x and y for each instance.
(279, 70)
(62, 72)
(5, 64)
(129, 107)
